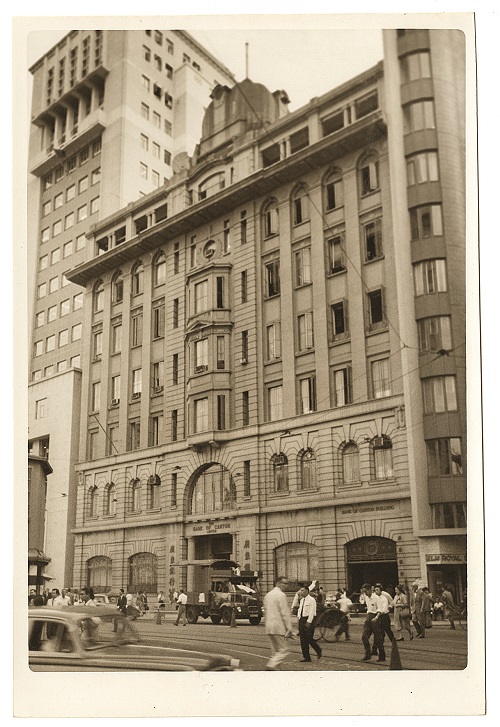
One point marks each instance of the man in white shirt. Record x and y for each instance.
(278, 624)
(62, 600)
(385, 618)
(343, 602)
(307, 621)
(371, 626)
(181, 611)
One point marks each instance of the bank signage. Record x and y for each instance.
(208, 528)
(442, 558)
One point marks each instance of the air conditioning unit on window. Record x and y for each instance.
(199, 369)
(115, 401)
(244, 360)
(381, 442)
(137, 395)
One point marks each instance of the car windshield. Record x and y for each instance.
(106, 631)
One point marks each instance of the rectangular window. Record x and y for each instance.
(93, 445)
(38, 348)
(439, 394)
(244, 283)
(45, 234)
(175, 313)
(426, 222)
(53, 285)
(192, 252)
(369, 178)
(155, 436)
(64, 307)
(51, 313)
(336, 256)
(174, 425)
(82, 213)
(419, 115)
(75, 361)
(201, 355)
(176, 258)
(434, 334)
(175, 369)
(342, 387)
(422, 167)
(275, 394)
(76, 332)
(376, 315)
(145, 111)
(80, 242)
(244, 347)
(67, 248)
(158, 376)
(63, 338)
(41, 291)
(50, 344)
(219, 281)
(156, 120)
(221, 352)
(62, 366)
(430, 277)
(95, 205)
(136, 383)
(449, 515)
(340, 329)
(70, 193)
(40, 408)
(226, 235)
(47, 208)
(415, 66)
(97, 344)
(246, 478)
(303, 266)
(245, 411)
(243, 227)
(366, 104)
(201, 296)
(143, 170)
(273, 341)
(55, 256)
(221, 411)
(43, 262)
(96, 396)
(83, 184)
(112, 441)
(137, 329)
(334, 194)
(173, 490)
(272, 278)
(155, 178)
(201, 415)
(116, 338)
(159, 321)
(332, 123)
(305, 331)
(134, 435)
(39, 319)
(372, 236)
(380, 378)
(78, 301)
(307, 395)
(96, 176)
(444, 457)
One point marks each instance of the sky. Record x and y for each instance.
(305, 62)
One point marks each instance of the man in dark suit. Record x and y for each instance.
(122, 601)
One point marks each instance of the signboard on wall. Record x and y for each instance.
(446, 559)
(208, 528)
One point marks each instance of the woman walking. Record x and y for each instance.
(402, 616)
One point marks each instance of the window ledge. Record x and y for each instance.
(307, 490)
(340, 339)
(387, 481)
(109, 516)
(333, 273)
(350, 485)
(278, 495)
(153, 509)
(373, 331)
(374, 259)
(307, 284)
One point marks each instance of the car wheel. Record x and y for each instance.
(255, 620)
(215, 619)
(226, 616)
(191, 615)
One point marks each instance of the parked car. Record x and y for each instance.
(101, 598)
(77, 638)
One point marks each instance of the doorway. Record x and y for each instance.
(371, 560)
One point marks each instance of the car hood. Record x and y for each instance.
(162, 658)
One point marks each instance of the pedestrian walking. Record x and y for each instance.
(427, 607)
(181, 610)
(307, 622)
(343, 602)
(122, 601)
(278, 623)
(449, 606)
(402, 615)
(385, 618)
(371, 627)
(416, 610)
(161, 601)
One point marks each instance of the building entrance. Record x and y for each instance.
(219, 547)
(371, 560)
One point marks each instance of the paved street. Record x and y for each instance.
(441, 649)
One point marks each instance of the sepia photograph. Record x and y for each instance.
(250, 366)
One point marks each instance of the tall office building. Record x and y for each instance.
(113, 114)
(273, 342)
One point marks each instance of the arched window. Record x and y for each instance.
(138, 278)
(211, 186)
(110, 499)
(368, 174)
(298, 562)
(160, 269)
(98, 297)
(143, 573)
(213, 491)
(300, 205)
(93, 501)
(350, 463)
(135, 495)
(307, 461)
(279, 467)
(154, 483)
(333, 191)
(381, 448)
(99, 571)
(270, 219)
(117, 288)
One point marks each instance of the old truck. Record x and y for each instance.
(222, 591)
